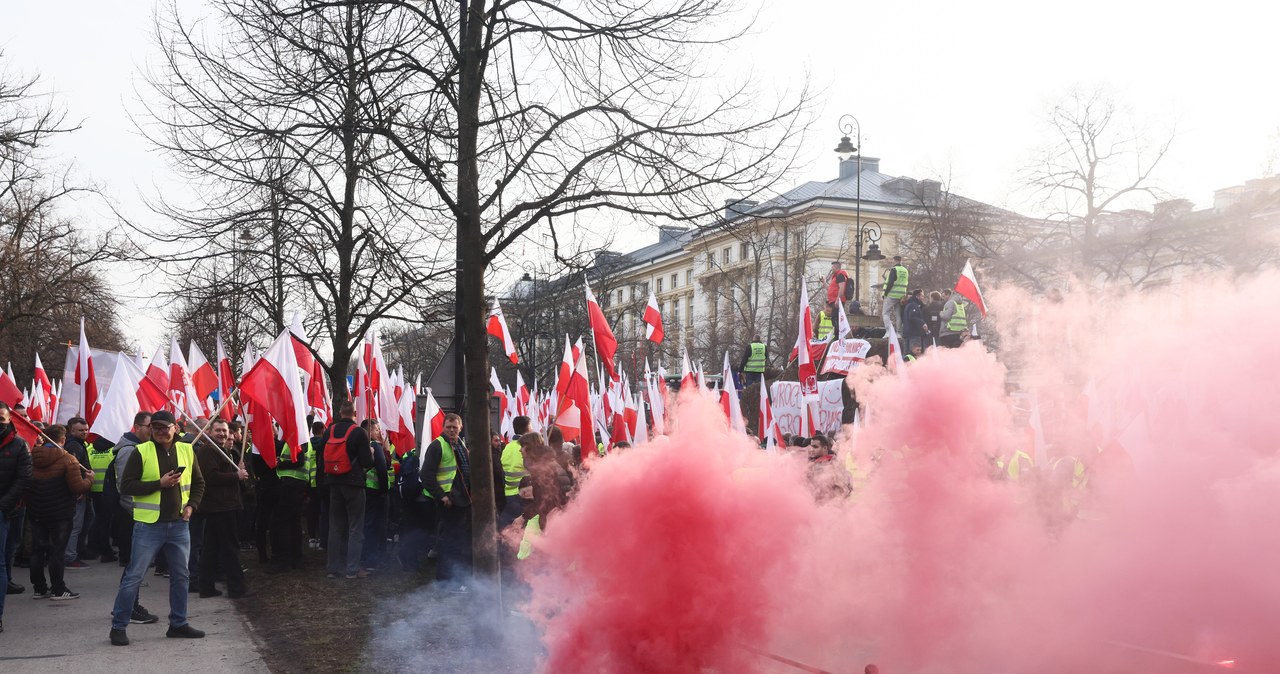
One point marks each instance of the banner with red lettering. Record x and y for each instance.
(827, 412)
(845, 354)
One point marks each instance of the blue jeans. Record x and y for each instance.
(4, 563)
(174, 540)
(72, 551)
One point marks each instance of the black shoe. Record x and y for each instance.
(119, 638)
(240, 595)
(15, 588)
(184, 632)
(108, 558)
(65, 595)
(142, 616)
(205, 594)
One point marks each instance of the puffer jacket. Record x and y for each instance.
(15, 471)
(57, 478)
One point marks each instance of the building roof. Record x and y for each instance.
(876, 187)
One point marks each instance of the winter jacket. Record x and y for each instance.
(221, 480)
(128, 442)
(358, 451)
(57, 478)
(915, 323)
(15, 470)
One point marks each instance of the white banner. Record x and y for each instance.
(827, 412)
(844, 355)
(104, 369)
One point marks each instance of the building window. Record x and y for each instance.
(675, 312)
(799, 238)
(620, 300)
(711, 261)
(688, 277)
(644, 289)
(688, 304)
(657, 285)
(675, 278)
(744, 251)
(725, 255)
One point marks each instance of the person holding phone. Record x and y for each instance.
(164, 480)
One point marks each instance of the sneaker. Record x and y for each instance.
(119, 638)
(108, 558)
(65, 595)
(142, 616)
(76, 565)
(184, 632)
(40, 594)
(314, 543)
(162, 574)
(15, 588)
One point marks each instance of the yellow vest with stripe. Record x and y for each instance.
(532, 530)
(146, 508)
(371, 475)
(824, 325)
(513, 467)
(285, 467)
(959, 321)
(899, 289)
(310, 464)
(447, 471)
(100, 462)
(755, 362)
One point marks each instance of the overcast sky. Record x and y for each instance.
(941, 88)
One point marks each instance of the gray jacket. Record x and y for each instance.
(128, 443)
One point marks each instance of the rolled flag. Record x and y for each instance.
(498, 328)
(85, 377)
(653, 320)
(272, 384)
(226, 381)
(967, 286)
(606, 343)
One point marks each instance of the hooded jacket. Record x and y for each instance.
(57, 478)
(15, 470)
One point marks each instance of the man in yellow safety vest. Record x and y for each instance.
(446, 480)
(895, 288)
(164, 480)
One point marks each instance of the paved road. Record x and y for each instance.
(71, 636)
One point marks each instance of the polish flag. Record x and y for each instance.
(498, 328)
(606, 343)
(653, 320)
(521, 395)
(657, 399)
(433, 417)
(9, 391)
(500, 393)
(967, 286)
(204, 379)
(729, 399)
(85, 377)
(380, 376)
(688, 378)
(121, 402)
(808, 374)
(403, 437)
(366, 402)
(43, 393)
(182, 392)
(843, 329)
(226, 382)
(318, 400)
(274, 387)
(764, 424)
(25, 430)
(895, 353)
(158, 373)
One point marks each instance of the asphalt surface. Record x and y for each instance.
(71, 636)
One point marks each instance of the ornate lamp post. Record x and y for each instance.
(848, 149)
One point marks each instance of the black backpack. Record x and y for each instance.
(848, 288)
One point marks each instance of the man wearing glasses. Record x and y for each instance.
(164, 480)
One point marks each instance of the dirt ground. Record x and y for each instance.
(393, 621)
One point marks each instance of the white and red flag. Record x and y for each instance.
(808, 374)
(402, 437)
(226, 382)
(182, 392)
(499, 392)
(158, 373)
(85, 377)
(203, 377)
(122, 401)
(653, 320)
(967, 286)
(521, 396)
(764, 424)
(498, 328)
(10, 394)
(41, 407)
(606, 343)
(729, 399)
(275, 389)
(688, 378)
(432, 418)
(657, 387)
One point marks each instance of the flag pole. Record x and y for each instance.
(212, 418)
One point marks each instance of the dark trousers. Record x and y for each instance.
(221, 548)
(124, 534)
(416, 532)
(953, 341)
(346, 528)
(267, 494)
(311, 512)
(323, 532)
(375, 528)
(454, 548)
(286, 523)
(48, 542)
(196, 524)
(105, 505)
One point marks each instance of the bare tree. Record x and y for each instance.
(518, 112)
(53, 270)
(1098, 165)
(297, 208)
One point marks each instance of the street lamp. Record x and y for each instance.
(849, 149)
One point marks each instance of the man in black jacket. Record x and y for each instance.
(219, 507)
(346, 491)
(77, 439)
(15, 470)
(915, 321)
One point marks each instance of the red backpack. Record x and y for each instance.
(337, 460)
